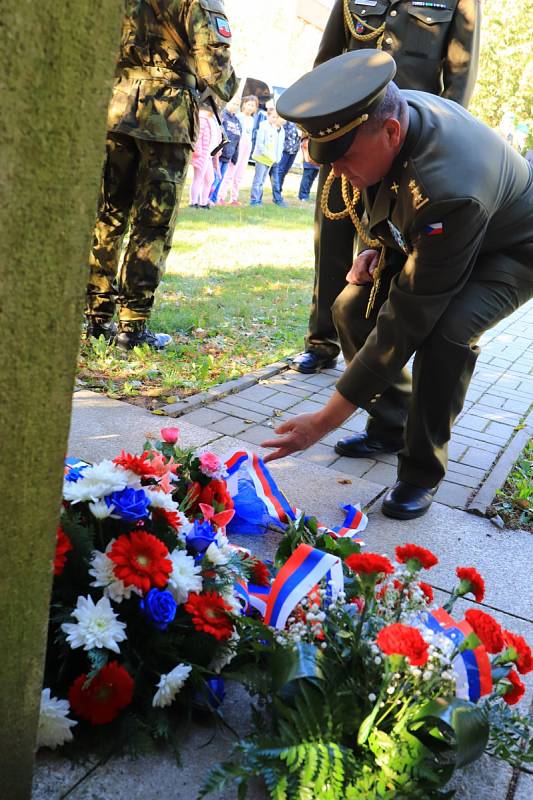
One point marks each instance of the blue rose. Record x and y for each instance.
(202, 535)
(130, 504)
(212, 695)
(159, 607)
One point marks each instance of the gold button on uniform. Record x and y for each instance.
(393, 13)
(389, 39)
(428, 19)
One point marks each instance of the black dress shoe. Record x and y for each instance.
(361, 445)
(405, 501)
(100, 327)
(309, 362)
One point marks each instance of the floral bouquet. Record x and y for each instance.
(144, 602)
(366, 689)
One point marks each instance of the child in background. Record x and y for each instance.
(202, 162)
(235, 173)
(280, 170)
(310, 171)
(268, 150)
(230, 152)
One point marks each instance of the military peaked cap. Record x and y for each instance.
(331, 101)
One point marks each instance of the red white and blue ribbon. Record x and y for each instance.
(244, 462)
(355, 522)
(297, 577)
(471, 667)
(258, 597)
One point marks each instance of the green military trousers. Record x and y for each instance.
(422, 409)
(334, 253)
(141, 188)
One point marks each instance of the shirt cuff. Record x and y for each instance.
(359, 385)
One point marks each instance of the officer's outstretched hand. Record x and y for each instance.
(363, 267)
(297, 433)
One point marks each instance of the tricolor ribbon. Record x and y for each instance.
(244, 462)
(471, 667)
(297, 577)
(355, 522)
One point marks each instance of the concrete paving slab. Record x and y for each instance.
(101, 427)
(524, 787)
(503, 558)
(485, 779)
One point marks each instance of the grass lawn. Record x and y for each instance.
(514, 501)
(235, 297)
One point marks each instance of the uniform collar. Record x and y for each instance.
(386, 193)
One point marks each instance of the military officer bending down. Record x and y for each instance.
(456, 202)
(170, 49)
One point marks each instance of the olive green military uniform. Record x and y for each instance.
(152, 127)
(435, 46)
(457, 208)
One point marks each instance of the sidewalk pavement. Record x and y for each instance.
(319, 482)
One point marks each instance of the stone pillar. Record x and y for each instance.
(57, 67)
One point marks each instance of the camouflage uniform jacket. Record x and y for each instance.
(435, 43)
(154, 94)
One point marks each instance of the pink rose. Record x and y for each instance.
(210, 464)
(170, 435)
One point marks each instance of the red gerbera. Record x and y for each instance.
(524, 661)
(369, 564)
(403, 640)
(516, 691)
(137, 464)
(209, 613)
(428, 591)
(172, 517)
(63, 545)
(412, 552)
(101, 700)
(471, 581)
(141, 560)
(486, 629)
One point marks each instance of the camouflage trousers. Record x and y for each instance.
(141, 188)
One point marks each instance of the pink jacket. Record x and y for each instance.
(208, 138)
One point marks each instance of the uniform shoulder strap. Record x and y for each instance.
(168, 28)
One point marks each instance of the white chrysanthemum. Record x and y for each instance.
(185, 576)
(161, 499)
(98, 481)
(232, 600)
(216, 555)
(54, 725)
(227, 653)
(101, 510)
(170, 684)
(101, 570)
(97, 626)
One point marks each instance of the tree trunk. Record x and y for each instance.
(55, 82)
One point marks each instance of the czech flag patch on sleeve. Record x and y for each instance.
(223, 27)
(434, 229)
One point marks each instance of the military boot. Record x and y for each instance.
(101, 327)
(131, 335)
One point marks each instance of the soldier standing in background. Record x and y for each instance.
(435, 46)
(171, 50)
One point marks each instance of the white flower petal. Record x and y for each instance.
(185, 576)
(54, 725)
(97, 627)
(170, 684)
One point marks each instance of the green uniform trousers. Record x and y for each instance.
(421, 410)
(141, 188)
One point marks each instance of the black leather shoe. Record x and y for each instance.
(128, 339)
(105, 328)
(309, 362)
(361, 445)
(405, 501)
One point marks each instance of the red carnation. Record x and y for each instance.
(516, 691)
(524, 662)
(209, 613)
(486, 629)
(101, 700)
(471, 581)
(259, 571)
(428, 591)
(141, 560)
(369, 564)
(412, 552)
(402, 640)
(214, 494)
(63, 545)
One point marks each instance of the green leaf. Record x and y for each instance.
(301, 662)
(454, 724)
